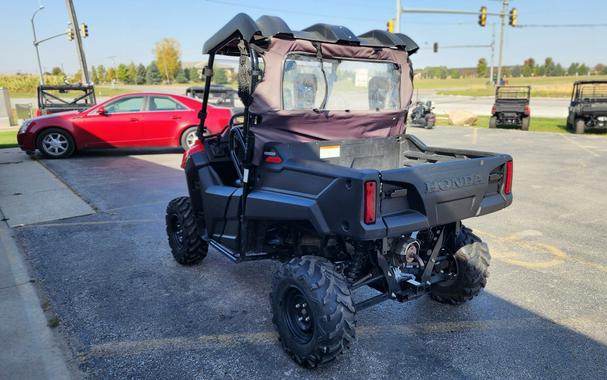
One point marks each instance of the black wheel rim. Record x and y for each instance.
(450, 272)
(176, 231)
(298, 315)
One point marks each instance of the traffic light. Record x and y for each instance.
(513, 17)
(482, 16)
(390, 25)
(70, 34)
(84, 30)
(435, 47)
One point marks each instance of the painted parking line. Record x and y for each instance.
(365, 332)
(572, 141)
(552, 255)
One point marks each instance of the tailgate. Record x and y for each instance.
(434, 194)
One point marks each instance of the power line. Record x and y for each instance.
(561, 25)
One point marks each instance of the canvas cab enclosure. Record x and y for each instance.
(322, 83)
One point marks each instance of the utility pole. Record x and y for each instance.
(505, 4)
(36, 44)
(397, 18)
(78, 39)
(492, 53)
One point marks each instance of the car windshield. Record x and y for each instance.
(339, 84)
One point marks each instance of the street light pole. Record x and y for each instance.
(397, 19)
(36, 44)
(503, 29)
(71, 12)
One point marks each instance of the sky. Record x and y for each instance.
(128, 29)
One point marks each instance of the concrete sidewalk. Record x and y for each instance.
(28, 349)
(29, 193)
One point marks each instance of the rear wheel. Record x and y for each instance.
(56, 143)
(313, 310)
(470, 269)
(570, 120)
(188, 138)
(186, 244)
(525, 123)
(580, 126)
(493, 122)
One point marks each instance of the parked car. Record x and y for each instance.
(588, 107)
(129, 120)
(511, 107)
(321, 176)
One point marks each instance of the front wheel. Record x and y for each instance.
(186, 244)
(188, 138)
(580, 126)
(469, 268)
(313, 310)
(56, 143)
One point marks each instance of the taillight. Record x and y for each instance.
(197, 147)
(38, 112)
(527, 110)
(271, 157)
(493, 109)
(508, 176)
(370, 201)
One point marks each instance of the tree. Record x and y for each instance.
(186, 75)
(94, 77)
(140, 77)
(600, 69)
(77, 77)
(549, 67)
(455, 73)
(220, 76)
(583, 70)
(528, 68)
(132, 73)
(572, 70)
(122, 73)
(180, 76)
(517, 71)
(168, 55)
(57, 71)
(152, 75)
(559, 71)
(194, 74)
(101, 73)
(111, 74)
(482, 68)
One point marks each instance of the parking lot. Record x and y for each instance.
(128, 310)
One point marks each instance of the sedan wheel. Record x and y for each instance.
(55, 143)
(188, 138)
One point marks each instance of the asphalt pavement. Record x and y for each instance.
(128, 310)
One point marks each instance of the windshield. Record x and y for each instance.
(340, 84)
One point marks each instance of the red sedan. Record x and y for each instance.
(130, 120)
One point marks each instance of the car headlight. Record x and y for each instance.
(26, 123)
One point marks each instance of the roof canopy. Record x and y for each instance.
(242, 26)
